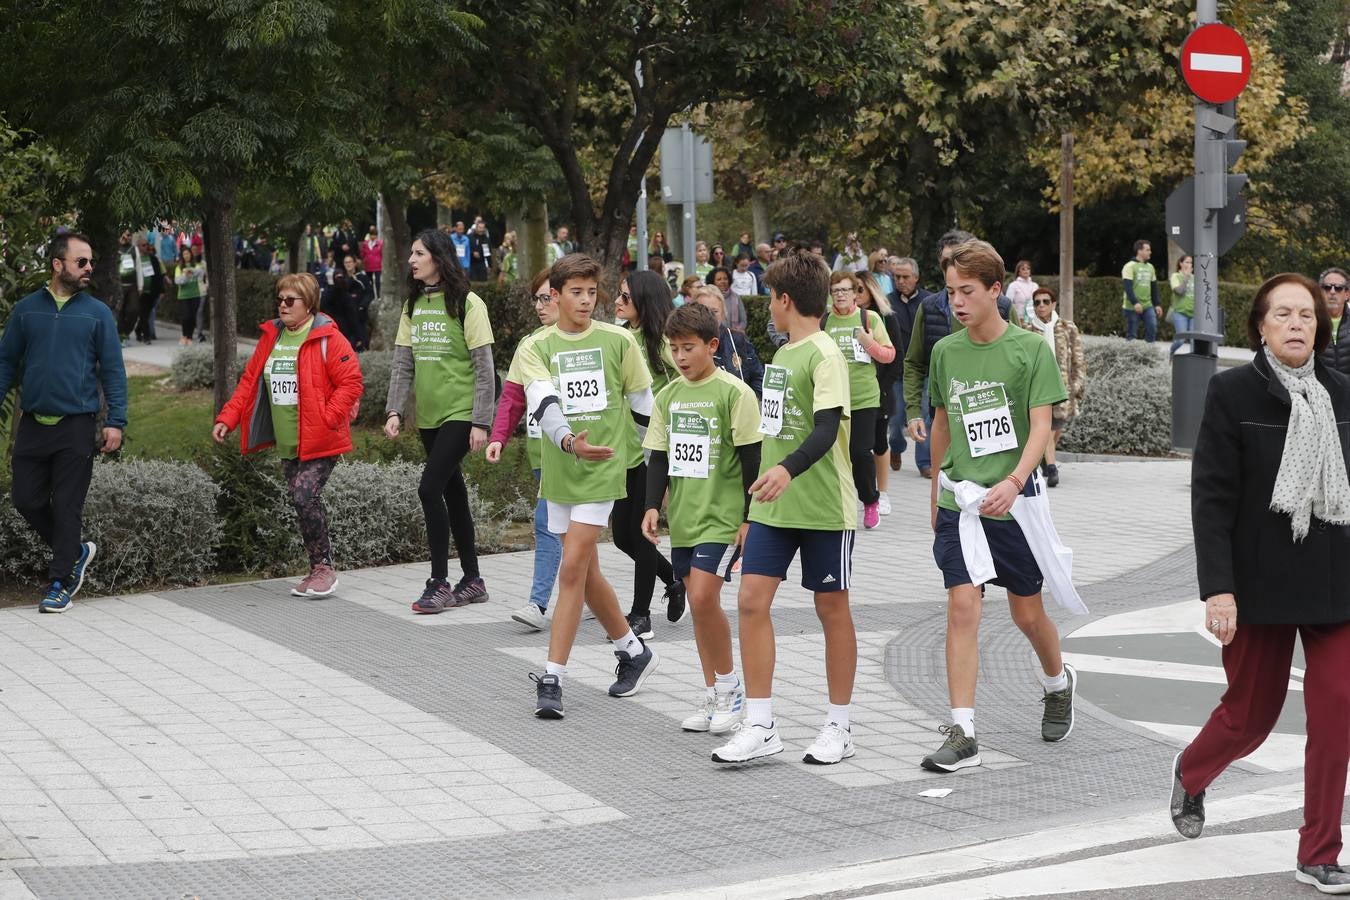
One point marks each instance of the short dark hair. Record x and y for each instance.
(804, 277)
(573, 265)
(692, 319)
(1261, 306)
(951, 238)
(1045, 289)
(60, 243)
(711, 277)
(1141, 244)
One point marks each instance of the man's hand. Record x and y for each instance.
(740, 535)
(112, 439)
(391, 425)
(1139, 307)
(916, 430)
(218, 432)
(589, 452)
(999, 499)
(770, 486)
(494, 451)
(649, 525)
(1221, 617)
(477, 439)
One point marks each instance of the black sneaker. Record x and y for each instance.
(1327, 879)
(632, 671)
(1057, 717)
(641, 625)
(676, 607)
(437, 598)
(548, 696)
(469, 590)
(1051, 476)
(1188, 813)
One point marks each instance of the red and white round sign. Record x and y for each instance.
(1216, 63)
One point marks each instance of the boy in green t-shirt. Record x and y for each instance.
(1141, 300)
(803, 500)
(992, 386)
(705, 442)
(578, 373)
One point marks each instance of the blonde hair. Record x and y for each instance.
(709, 290)
(872, 288)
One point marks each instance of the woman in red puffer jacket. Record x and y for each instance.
(299, 393)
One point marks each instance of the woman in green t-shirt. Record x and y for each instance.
(443, 350)
(1182, 313)
(191, 280)
(643, 305)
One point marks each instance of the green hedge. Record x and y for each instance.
(1097, 310)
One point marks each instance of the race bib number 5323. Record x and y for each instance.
(581, 381)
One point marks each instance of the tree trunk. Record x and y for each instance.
(397, 237)
(217, 226)
(445, 216)
(532, 240)
(759, 216)
(1066, 225)
(293, 236)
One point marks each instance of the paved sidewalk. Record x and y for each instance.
(160, 354)
(233, 741)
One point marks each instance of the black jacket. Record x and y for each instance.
(1337, 354)
(904, 315)
(732, 345)
(1241, 546)
(889, 373)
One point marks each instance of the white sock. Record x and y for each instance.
(759, 711)
(552, 668)
(838, 715)
(629, 644)
(728, 682)
(965, 717)
(1053, 683)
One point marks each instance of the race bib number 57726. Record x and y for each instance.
(987, 420)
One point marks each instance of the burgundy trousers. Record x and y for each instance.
(1257, 664)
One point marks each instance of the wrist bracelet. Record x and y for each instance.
(1017, 482)
(389, 415)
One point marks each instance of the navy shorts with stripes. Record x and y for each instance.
(827, 556)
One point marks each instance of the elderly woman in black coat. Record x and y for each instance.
(1270, 506)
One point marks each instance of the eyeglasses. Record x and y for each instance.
(543, 299)
(1335, 288)
(1044, 301)
(840, 292)
(80, 262)
(289, 301)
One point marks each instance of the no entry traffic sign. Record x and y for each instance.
(1216, 63)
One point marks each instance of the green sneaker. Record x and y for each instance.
(1057, 719)
(957, 752)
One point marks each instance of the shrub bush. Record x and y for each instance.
(374, 515)
(757, 326)
(194, 368)
(375, 373)
(258, 528)
(256, 294)
(1127, 403)
(154, 523)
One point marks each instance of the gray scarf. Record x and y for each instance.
(1312, 479)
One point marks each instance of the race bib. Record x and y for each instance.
(987, 420)
(689, 445)
(126, 265)
(581, 381)
(532, 428)
(771, 402)
(147, 270)
(282, 382)
(859, 352)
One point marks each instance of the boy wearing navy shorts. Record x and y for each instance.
(803, 500)
(992, 386)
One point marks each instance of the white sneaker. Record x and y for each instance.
(832, 745)
(749, 742)
(701, 716)
(531, 616)
(884, 504)
(728, 710)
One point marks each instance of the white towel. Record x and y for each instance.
(1032, 515)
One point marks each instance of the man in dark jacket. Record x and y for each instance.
(905, 300)
(933, 321)
(60, 345)
(152, 289)
(480, 252)
(1335, 284)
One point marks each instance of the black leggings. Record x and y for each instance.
(445, 499)
(861, 440)
(304, 484)
(881, 434)
(190, 307)
(626, 524)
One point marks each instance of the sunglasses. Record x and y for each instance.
(1044, 302)
(289, 301)
(1335, 288)
(625, 297)
(80, 262)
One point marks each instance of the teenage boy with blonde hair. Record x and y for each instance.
(577, 375)
(991, 387)
(804, 501)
